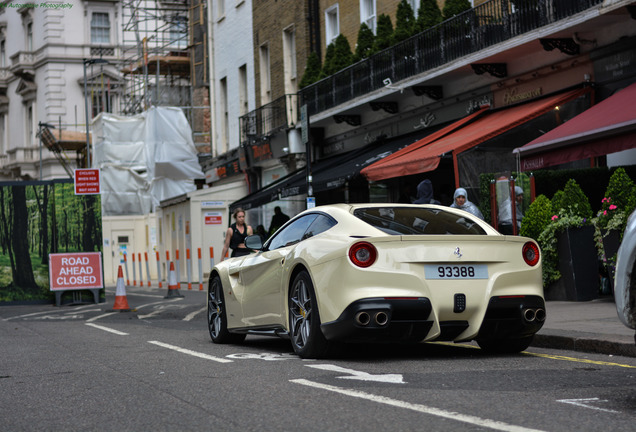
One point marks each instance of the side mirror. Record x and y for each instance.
(254, 242)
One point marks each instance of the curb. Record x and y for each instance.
(584, 344)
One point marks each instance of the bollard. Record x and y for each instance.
(178, 264)
(134, 271)
(200, 271)
(167, 264)
(189, 268)
(141, 273)
(147, 267)
(126, 268)
(158, 269)
(211, 258)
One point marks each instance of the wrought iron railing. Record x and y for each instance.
(474, 30)
(274, 116)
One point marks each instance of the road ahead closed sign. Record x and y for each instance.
(69, 271)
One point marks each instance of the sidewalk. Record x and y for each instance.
(591, 326)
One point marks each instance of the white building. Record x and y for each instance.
(42, 64)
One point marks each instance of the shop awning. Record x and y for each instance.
(426, 157)
(607, 127)
(329, 173)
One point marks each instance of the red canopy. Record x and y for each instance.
(606, 127)
(424, 155)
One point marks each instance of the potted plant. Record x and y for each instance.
(610, 221)
(570, 262)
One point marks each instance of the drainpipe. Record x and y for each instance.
(210, 29)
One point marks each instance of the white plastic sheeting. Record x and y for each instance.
(143, 159)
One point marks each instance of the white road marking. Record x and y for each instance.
(262, 356)
(190, 352)
(195, 313)
(363, 376)
(585, 403)
(95, 318)
(161, 302)
(26, 315)
(492, 424)
(117, 332)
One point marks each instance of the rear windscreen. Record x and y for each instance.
(417, 220)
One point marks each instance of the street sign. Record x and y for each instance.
(73, 271)
(87, 182)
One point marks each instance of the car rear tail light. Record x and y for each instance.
(363, 254)
(530, 253)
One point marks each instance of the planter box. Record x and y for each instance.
(578, 264)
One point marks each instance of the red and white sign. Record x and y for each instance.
(82, 270)
(212, 218)
(87, 182)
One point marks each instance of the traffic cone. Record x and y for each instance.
(121, 301)
(173, 286)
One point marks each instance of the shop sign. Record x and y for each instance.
(71, 271)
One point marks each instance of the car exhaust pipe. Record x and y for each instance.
(363, 318)
(540, 315)
(529, 315)
(381, 318)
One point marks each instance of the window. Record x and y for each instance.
(101, 101)
(3, 53)
(3, 131)
(226, 115)
(301, 229)
(29, 37)
(29, 121)
(243, 102)
(332, 25)
(100, 28)
(220, 9)
(289, 60)
(266, 90)
(367, 13)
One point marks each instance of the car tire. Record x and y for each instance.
(217, 318)
(505, 346)
(304, 319)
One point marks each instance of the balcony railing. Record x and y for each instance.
(474, 30)
(272, 117)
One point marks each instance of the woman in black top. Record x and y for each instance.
(235, 236)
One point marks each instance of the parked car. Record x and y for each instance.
(625, 278)
(381, 273)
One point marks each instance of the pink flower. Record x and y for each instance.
(612, 207)
(606, 200)
(604, 212)
(555, 217)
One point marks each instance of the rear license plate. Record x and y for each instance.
(458, 271)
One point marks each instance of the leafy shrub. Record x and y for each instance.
(339, 57)
(455, 7)
(572, 200)
(384, 33)
(405, 24)
(537, 217)
(312, 70)
(428, 14)
(364, 47)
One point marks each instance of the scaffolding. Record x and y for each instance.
(157, 43)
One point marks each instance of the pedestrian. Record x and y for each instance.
(278, 220)
(260, 230)
(425, 193)
(461, 202)
(235, 236)
(505, 213)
